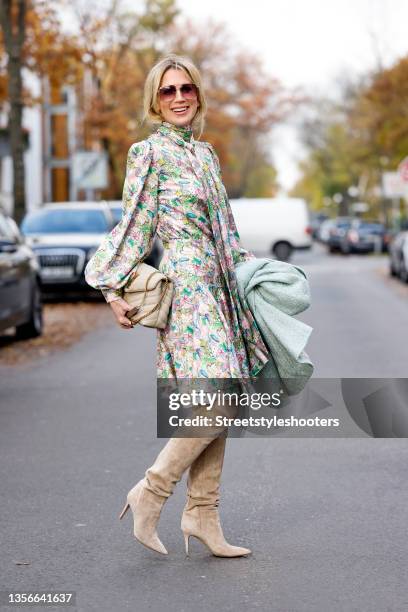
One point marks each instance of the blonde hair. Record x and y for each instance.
(151, 109)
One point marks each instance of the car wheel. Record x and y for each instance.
(34, 326)
(392, 270)
(282, 251)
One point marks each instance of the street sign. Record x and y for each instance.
(90, 170)
(393, 185)
(403, 170)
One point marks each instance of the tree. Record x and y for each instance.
(33, 40)
(116, 47)
(120, 46)
(380, 116)
(352, 141)
(245, 103)
(12, 20)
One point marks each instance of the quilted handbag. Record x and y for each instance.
(150, 294)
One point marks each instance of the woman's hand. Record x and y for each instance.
(120, 307)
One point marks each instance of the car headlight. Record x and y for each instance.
(353, 236)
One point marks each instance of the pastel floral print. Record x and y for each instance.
(173, 188)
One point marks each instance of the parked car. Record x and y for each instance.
(20, 294)
(273, 225)
(64, 236)
(323, 232)
(316, 220)
(398, 252)
(364, 237)
(336, 233)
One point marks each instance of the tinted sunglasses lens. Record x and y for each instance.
(189, 91)
(167, 93)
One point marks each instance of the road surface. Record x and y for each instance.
(325, 518)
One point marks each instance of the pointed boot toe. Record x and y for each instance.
(154, 543)
(232, 551)
(146, 507)
(203, 523)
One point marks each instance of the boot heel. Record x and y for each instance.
(125, 509)
(186, 540)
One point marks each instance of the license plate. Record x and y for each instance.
(373, 239)
(57, 272)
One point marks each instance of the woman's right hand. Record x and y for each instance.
(120, 307)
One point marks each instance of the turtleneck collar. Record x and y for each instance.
(180, 134)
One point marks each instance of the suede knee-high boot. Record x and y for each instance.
(200, 517)
(148, 496)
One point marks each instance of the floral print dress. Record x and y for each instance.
(173, 187)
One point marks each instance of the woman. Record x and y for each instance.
(173, 186)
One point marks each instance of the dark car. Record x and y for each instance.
(336, 232)
(20, 294)
(398, 251)
(64, 236)
(364, 237)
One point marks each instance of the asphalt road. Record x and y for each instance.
(359, 315)
(325, 518)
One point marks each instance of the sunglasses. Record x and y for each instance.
(189, 91)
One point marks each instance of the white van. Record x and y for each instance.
(273, 225)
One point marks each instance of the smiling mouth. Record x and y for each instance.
(180, 110)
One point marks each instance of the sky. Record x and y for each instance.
(310, 43)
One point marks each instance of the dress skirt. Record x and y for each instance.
(198, 340)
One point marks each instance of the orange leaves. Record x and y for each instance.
(107, 56)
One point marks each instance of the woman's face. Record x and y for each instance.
(168, 108)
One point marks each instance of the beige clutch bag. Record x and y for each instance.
(150, 294)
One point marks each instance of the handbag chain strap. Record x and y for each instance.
(166, 285)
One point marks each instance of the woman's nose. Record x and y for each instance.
(179, 95)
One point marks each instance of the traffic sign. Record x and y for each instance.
(393, 185)
(90, 170)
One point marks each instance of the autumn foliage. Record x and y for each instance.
(351, 142)
(106, 55)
